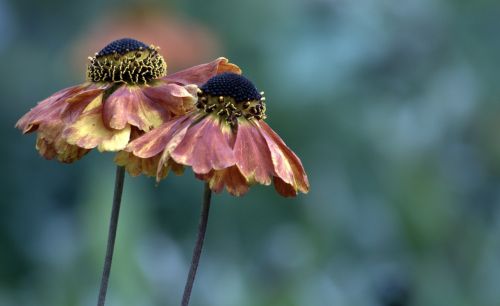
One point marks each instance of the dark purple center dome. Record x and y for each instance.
(232, 85)
(122, 46)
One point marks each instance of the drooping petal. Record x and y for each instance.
(283, 188)
(135, 165)
(48, 109)
(77, 103)
(128, 105)
(200, 74)
(165, 164)
(231, 178)
(252, 154)
(175, 98)
(51, 145)
(286, 164)
(204, 147)
(163, 138)
(89, 130)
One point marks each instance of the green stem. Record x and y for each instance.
(113, 223)
(202, 229)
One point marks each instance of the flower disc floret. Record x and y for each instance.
(126, 61)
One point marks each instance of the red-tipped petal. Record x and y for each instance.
(163, 138)
(286, 164)
(77, 103)
(175, 98)
(204, 147)
(200, 74)
(252, 154)
(128, 105)
(48, 109)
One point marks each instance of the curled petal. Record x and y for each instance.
(89, 130)
(174, 98)
(164, 166)
(51, 145)
(252, 154)
(48, 109)
(136, 166)
(77, 103)
(286, 164)
(128, 105)
(283, 188)
(204, 147)
(231, 178)
(200, 74)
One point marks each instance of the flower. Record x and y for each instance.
(226, 141)
(127, 93)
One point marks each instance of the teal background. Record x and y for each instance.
(393, 107)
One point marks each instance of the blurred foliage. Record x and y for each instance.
(391, 105)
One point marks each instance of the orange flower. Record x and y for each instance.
(127, 93)
(225, 141)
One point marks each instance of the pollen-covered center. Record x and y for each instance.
(126, 61)
(231, 96)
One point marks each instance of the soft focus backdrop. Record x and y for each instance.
(393, 107)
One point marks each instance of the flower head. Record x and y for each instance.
(128, 61)
(226, 141)
(127, 93)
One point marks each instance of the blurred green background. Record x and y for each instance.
(391, 105)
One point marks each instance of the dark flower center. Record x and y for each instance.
(122, 46)
(126, 61)
(231, 85)
(231, 96)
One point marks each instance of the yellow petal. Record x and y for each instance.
(118, 141)
(89, 131)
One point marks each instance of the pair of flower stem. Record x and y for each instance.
(207, 117)
(113, 225)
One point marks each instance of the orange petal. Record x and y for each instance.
(286, 164)
(48, 109)
(175, 98)
(283, 188)
(45, 147)
(128, 105)
(252, 154)
(204, 147)
(163, 138)
(89, 131)
(200, 74)
(231, 178)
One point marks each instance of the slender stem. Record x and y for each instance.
(202, 229)
(113, 223)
